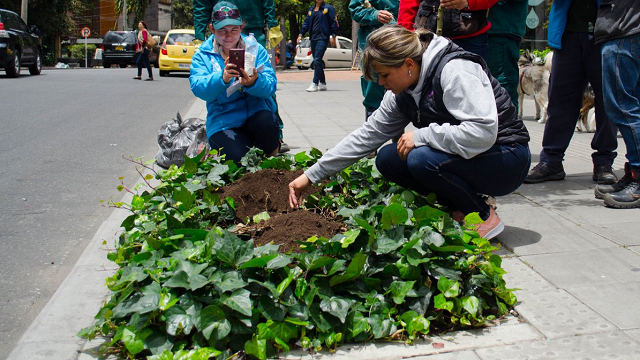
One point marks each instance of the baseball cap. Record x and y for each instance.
(225, 13)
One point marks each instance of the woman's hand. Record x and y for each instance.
(384, 17)
(405, 145)
(295, 190)
(247, 80)
(454, 4)
(230, 72)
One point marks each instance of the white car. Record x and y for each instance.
(339, 56)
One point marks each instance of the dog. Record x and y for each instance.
(587, 119)
(534, 81)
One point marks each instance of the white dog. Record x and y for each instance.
(534, 81)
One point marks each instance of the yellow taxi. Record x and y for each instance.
(176, 51)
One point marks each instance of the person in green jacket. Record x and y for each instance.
(508, 25)
(255, 14)
(371, 15)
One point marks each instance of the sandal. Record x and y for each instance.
(148, 79)
(137, 78)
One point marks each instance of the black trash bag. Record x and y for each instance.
(179, 138)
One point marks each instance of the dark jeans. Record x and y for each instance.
(502, 60)
(478, 44)
(260, 130)
(457, 182)
(577, 63)
(318, 48)
(143, 58)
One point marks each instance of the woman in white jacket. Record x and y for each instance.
(469, 139)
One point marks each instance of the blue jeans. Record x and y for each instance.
(143, 59)
(478, 44)
(457, 182)
(621, 90)
(260, 130)
(318, 48)
(578, 62)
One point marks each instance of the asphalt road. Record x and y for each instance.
(62, 138)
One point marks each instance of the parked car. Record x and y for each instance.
(119, 47)
(19, 45)
(339, 56)
(176, 51)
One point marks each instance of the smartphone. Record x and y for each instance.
(236, 56)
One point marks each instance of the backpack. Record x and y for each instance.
(455, 22)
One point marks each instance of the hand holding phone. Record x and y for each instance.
(236, 57)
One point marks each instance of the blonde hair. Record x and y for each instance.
(391, 45)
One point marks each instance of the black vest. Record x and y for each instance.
(511, 129)
(455, 22)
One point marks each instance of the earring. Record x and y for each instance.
(409, 73)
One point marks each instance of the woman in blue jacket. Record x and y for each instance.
(238, 118)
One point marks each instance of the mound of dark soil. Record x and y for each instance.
(267, 190)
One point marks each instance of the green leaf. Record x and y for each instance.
(215, 175)
(178, 280)
(190, 165)
(287, 281)
(256, 347)
(204, 353)
(178, 320)
(231, 250)
(337, 306)
(440, 302)
(353, 270)
(280, 261)
(269, 309)
(165, 355)
(134, 340)
(394, 214)
(449, 288)
(212, 321)
(263, 216)
(400, 289)
(158, 342)
(285, 331)
(427, 213)
(356, 323)
(238, 301)
(418, 325)
(137, 203)
(349, 237)
(184, 196)
(380, 327)
(318, 318)
(258, 262)
(471, 304)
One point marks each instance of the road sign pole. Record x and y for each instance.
(86, 59)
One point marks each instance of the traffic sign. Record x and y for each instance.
(85, 32)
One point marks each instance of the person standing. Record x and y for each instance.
(576, 62)
(508, 26)
(371, 15)
(618, 30)
(465, 21)
(143, 51)
(321, 23)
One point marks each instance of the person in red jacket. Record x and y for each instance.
(465, 21)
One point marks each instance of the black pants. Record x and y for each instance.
(143, 58)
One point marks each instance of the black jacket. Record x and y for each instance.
(616, 19)
(511, 129)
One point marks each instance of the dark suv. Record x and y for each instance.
(119, 47)
(19, 45)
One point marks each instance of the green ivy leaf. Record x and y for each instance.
(318, 318)
(215, 175)
(278, 262)
(238, 301)
(418, 325)
(394, 214)
(471, 304)
(178, 320)
(184, 197)
(263, 216)
(285, 331)
(179, 280)
(400, 289)
(258, 262)
(380, 327)
(440, 302)
(231, 250)
(212, 322)
(356, 323)
(256, 347)
(349, 237)
(158, 342)
(134, 340)
(449, 288)
(353, 270)
(269, 309)
(137, 203)
(336, 306)
(427, 213)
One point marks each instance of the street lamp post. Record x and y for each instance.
(23, 15)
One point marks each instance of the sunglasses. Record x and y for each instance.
(226, 12)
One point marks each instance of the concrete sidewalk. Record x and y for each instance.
(576, 262)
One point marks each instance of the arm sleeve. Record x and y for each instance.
(362, 15)
(481, 4)
(305, 25)
(265, 85)
(205, 81)
(269, 13)
(334, 21)
(468, 96)
(386, 122)
(407, 13)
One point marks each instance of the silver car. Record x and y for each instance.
(339, 56)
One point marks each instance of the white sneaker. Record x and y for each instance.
(322, 87)
(313, 88)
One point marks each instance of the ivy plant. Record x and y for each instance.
(188, 287)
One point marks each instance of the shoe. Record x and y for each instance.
(602, 189)
(148, 79)
(627, 198)
(137, 78)
(545, 172)
(491, 227)
(603, 174)
(312, 88)
(284, 147)
(322, 87)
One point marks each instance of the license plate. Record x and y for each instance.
(299, 62)
(184, 66)
(119, 48)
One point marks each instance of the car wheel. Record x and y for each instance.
(164, 73)
(300, 68)
(106, 65)
(13, 67)
(36, 68)
(123, 66)
(312, 65)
